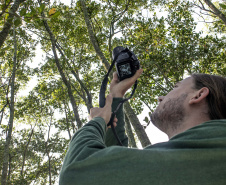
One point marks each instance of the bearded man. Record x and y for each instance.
(193, 115)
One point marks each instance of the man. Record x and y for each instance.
(193, 115)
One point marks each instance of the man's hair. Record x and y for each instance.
(217, 93)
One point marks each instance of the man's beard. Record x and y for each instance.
(171, 115)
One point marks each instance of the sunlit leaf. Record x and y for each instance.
(52, 11)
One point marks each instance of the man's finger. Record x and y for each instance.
(115, 76)
(114, 124)
(115, 120)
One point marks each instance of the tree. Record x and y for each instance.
(11, 118)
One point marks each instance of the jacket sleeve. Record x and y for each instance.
(91, 139)
(86, 141)
(110, 139)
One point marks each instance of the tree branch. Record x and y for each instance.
(216, 11)
(67, 121)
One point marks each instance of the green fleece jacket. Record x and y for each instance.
(194, 157)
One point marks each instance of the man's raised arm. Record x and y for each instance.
(118, 89)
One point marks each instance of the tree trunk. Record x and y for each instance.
(1, 118)
(50, 173)
(129, 132)
(25, 151)
(68, 128)
(9, 172)
(8, 24)
(93, 38)
(73, 102)
(47, 152)
(11, 117)
(141, 134)
(216, 11)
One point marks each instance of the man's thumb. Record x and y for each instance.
(137, 74)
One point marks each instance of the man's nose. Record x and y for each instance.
(160, 98)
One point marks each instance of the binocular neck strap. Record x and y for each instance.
(104, 86)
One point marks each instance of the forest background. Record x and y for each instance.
(53, 58)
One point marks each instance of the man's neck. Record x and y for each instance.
(189, 123)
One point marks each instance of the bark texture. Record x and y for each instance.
(93, 38)
(216, 11)
(9, 22)
(141, 134)
(132, 142)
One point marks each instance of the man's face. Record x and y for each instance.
(171, 111)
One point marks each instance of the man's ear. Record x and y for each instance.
(199, 95)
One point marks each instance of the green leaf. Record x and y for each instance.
(224, 70)
(33, 11)
(23, 11)
(146, 119)
(17, 21)
(149, 113)
(222, 5)
(41, 8)
(55, 15)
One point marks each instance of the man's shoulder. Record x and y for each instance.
(209, 128)
(207, 134)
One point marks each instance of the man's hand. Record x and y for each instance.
(119, 88)
(104, 112)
